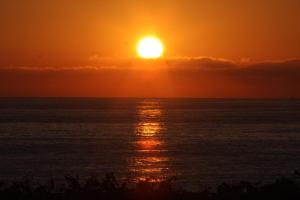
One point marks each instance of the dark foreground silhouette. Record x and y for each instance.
(109, 188)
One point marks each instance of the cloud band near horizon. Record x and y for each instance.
(178, 77)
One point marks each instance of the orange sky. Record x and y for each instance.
(87, 48)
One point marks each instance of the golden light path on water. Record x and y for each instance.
(150, 162)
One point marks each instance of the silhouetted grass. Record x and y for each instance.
(111, 189)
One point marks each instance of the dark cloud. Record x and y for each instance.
(205, 63)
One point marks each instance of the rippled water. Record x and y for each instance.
(200, 141)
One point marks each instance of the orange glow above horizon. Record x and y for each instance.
(89, 49)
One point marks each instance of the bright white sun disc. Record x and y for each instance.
(150, 48)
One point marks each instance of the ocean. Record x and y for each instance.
(199, 141)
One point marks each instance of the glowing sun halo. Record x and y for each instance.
(150, 48)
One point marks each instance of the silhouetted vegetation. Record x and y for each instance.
(111, 189)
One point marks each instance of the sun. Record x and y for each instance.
(150, 48)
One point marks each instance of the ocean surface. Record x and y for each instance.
(200, 141)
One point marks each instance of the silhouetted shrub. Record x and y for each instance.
(109, 188)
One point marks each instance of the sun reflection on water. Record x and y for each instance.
(147, 129)
(150, 161)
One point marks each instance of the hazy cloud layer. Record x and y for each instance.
(177, 77)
